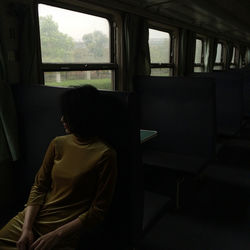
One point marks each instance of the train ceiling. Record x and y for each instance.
(226, 18)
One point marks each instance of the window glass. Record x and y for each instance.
(73, 37)
(159, 46)
(218, 53)
(161, 72)
(101, 79)
(198, 69)
(198, 51)
(218, 67)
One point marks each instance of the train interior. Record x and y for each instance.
(180, 68)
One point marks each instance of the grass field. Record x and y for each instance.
(98, 83)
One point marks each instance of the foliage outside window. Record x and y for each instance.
(199, 55)
(219, 63)
(75, 48)
(160, 53)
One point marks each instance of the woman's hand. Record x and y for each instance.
(25, 240)
(47, 241)
(51, 239)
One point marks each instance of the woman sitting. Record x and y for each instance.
(73, 188)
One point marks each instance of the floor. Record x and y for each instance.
(184, 232)
(217, 224)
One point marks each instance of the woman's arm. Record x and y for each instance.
(29, 216)
(42, 183)
(36, 198)
(49, 240)
(27, 236)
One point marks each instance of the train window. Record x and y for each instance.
(199, 56)
(233, 60)
(160, 53)
(219, 57)
(75, 48)
(219, 53)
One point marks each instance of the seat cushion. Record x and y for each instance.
(232, 175)
(234, 152)
(174, 162)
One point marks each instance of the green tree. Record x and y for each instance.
(56, 46)
(97, 45)
(159, 50)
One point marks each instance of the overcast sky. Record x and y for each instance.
(73, 23)
(77, 24)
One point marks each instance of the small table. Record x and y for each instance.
(147, 134)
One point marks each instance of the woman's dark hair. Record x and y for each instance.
(81, 110)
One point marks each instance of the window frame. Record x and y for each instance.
(113, 37)
(202, 64)
(171, 31)
(222, 58)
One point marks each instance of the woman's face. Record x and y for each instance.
(65, 125)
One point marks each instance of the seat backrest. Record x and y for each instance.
(229, 100)
(246, 92)
(182, 110)
(39, 122)
(122, 131)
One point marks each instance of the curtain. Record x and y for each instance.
(247, 57)
(137, 58)
(9, 149)
(229, 55)
(210, 54)
(28, 43)
(206, 54)
(242, 55)
(187, 52)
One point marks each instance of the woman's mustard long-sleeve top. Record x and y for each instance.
(76, 179)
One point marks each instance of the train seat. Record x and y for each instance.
(224, 191)
(246, 76)
(39, 122)
(227, 189)
(182, 110)
(183, 113)
(237, 176)
(235, 152)
(175, 162)
(234, 149)
(229, 101)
